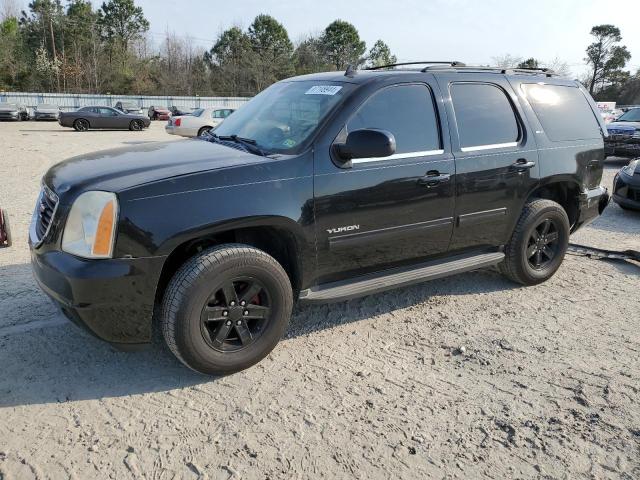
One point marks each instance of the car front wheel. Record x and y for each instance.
(226, 308)
(538, 244)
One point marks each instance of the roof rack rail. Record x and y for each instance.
(429, 62)
(546, 71)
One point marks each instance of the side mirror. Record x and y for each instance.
(367, 143)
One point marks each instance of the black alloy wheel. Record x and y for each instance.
(81, 125)
(136, 126)
(543, 245)
(226, 308)
(538, 243)
(236, 314)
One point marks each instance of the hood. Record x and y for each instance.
(47, 110)
(122, 168)
(8, 108)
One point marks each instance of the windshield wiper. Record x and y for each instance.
(249, 143)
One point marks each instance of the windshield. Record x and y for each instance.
(281, 118)
(630, 116)
(47, 106)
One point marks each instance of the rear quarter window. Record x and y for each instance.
(563, 112)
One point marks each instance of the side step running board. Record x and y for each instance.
(398, 277)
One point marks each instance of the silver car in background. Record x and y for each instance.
(46, 111)
(13, 111)
(198, 123)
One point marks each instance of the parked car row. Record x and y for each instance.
(48, 111)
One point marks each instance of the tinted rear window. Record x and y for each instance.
(484, 115)
(563, 112)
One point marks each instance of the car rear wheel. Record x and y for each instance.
(226, 309)
(538, 244)
(136, 125)
(81, 125)
(204, 131)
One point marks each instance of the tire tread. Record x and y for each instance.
(510, 266)
(188, 273)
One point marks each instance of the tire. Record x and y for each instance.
(7, 229)
(204, 131)
(192, 316)
(136, 126)
(81, 125)
(543, 228)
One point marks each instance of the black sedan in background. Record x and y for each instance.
(86, 118)
(626, 186)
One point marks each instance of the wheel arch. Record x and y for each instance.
(562, 191)
(275, 236)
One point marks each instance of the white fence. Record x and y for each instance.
(70, 101)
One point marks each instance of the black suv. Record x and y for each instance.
(322, 188)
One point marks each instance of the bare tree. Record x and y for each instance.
(559, 66)
(506, 61)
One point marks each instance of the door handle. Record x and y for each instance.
(433, 178)
(523, 164)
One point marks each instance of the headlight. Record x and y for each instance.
(636, 134)
(631, 168)
(91, 225)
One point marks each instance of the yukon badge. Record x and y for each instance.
(348, 228)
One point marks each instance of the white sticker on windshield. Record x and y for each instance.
(323, 90)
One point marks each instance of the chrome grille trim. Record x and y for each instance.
(46, 209)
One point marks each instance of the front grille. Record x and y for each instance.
(45, 210)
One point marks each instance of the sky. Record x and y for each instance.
(470, 31)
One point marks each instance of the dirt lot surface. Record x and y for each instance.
(464, 377)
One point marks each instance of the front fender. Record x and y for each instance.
(157, 218)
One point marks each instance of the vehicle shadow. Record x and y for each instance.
(46, 359)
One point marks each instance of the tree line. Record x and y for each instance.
(72, 47)
(606, 59)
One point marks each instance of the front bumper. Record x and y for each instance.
(45, 116)
(9, 115)
(591, 204)
(626, 190)
(622, 148)
(113, 299)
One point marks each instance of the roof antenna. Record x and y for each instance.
(351, 71)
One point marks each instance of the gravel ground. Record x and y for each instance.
(465, 377)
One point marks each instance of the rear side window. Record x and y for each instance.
(407, 111)
(563, 111)
(484, 116)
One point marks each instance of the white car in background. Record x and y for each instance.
(198, 123)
